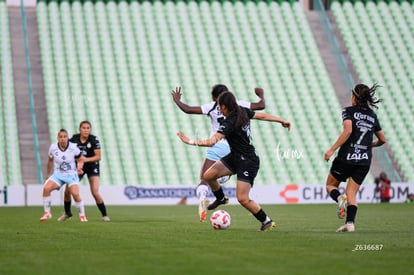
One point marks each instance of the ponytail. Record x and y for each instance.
(365, 96)
(227, 99)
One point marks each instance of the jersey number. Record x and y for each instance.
(363, 133)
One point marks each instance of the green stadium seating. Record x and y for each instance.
(378, 37)
(10, 167)
(115, 64)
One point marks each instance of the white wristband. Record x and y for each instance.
(191, 142)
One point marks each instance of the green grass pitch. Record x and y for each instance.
(171, 240)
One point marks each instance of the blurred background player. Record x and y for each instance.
(242, 159)
(90, 148)
(384, 187)
(221, 148)
(62, 169)
(355, 144)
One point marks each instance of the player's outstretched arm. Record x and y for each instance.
(261, 104)
(269, 117)
(202, 142)
(176, 95)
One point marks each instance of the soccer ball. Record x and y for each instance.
(220, 219)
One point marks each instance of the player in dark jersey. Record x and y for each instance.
(242, 159)
(355, 144)
(220, 149)
(91, 150)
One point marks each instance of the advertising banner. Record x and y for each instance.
(31, 195)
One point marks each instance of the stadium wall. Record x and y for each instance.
(17, 3)
(30, 195)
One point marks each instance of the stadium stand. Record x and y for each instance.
(379, 38)
(115, 63)
(10, 168)
(128, 56)
(122, 68)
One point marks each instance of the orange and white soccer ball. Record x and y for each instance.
(220, 219)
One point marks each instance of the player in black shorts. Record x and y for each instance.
(242, 159)
(355, 144)
(91, 151)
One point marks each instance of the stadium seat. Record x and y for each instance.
(130, 55)
(10, 167)
(385, 33)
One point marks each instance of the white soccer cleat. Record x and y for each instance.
(202, 209)
(46, 216)
(348, 227)
(106, 219)
(342, 203)
(83, 218)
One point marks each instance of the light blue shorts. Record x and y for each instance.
(62, 179)
(217, 151)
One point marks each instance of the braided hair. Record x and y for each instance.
(218, 89)
(215, 93)
(365, 96)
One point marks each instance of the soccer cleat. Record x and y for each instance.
(202, 209)
(83, 218)
(64, 217)
(106, 219)
(341, 206)
(268, 226)
(46, 216)
(348, 227)
(216, 203)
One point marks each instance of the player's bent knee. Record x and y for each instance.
(243, 201)
(76, 197)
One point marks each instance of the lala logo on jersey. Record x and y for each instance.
(356, 156)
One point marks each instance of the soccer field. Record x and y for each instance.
(171, 240)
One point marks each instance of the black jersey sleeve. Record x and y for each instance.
(96, 144)
(346, 114)
(227, 125)
(250, 113)
(377, 125)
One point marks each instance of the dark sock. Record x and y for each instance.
(335, 194)
(351, 211)
(219, 194)
(66, 206)
(102, 208)
(260, 216)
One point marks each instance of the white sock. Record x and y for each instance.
(47, 202)
(202, 191)
(80, 207)
(267, 220)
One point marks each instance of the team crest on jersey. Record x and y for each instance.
(356, 156)
(89, 145)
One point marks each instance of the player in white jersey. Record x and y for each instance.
(221, 148)
(62, 169)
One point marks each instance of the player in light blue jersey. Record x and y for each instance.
(62, 169)
(221, 148)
